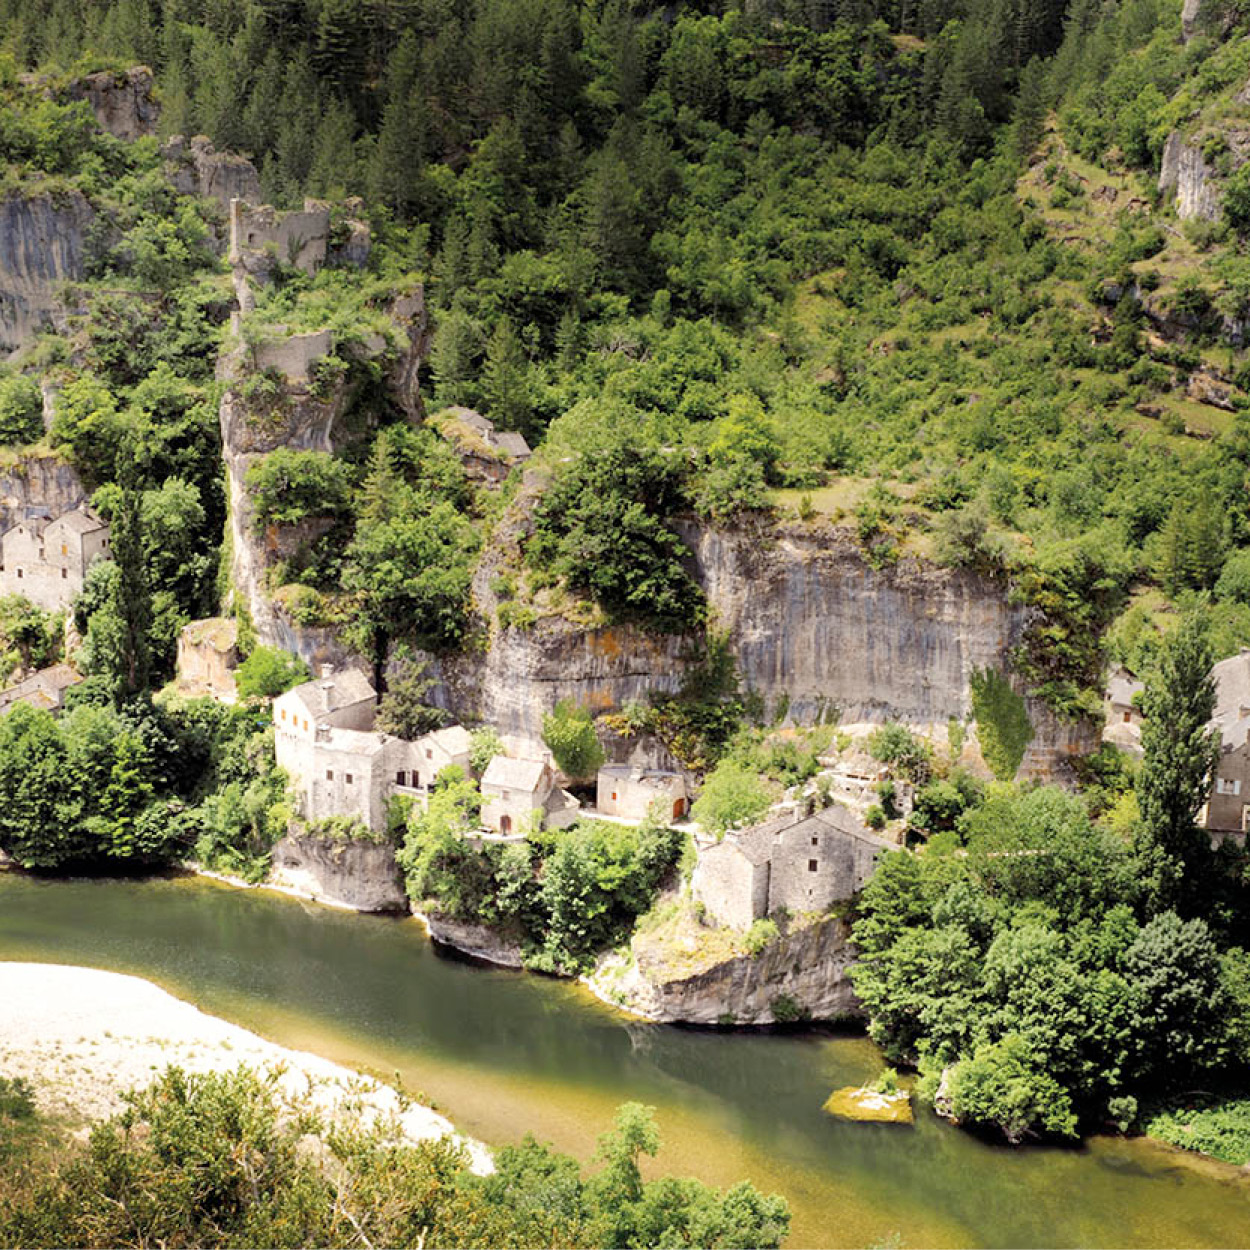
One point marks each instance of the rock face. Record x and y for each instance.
(356, 874)
(39, 484)
(475, 940)
(197, 168)
(122, 103)
(804, 974)
(1190, 15)
(1184, 171)
(41, 247)
(815, 631)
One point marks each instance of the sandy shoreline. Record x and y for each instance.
(83, 1036)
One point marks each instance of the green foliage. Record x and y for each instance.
(288, 486)
(569, 733)
(897, 746)
(1180, 752)
(268, 672)
(1216, 1127)
(732, 797)
(21, 410)
(761, 934)
(403, 710)
(1003, 724)
(484, 744)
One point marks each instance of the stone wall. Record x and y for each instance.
(195, 167)
(843, 864)
(297, 238)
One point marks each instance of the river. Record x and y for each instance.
(502, 1053)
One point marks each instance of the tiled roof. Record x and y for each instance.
(509, 774)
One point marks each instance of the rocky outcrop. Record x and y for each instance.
(803, 975)
(41, 247)
(478, 941)
(39, 485)
(303, 414)
(1184, 172)
(1191, 14)
(357, 874)
(195, 167)
(123, 103)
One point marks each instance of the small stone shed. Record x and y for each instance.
(208, 654)
(628, 792)
(44, 689)
(799, 863)
(1123, 718)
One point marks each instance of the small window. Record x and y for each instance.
(64, 549)
(613, 796)
(284, 713)
(1128, 716)
(401, 777)
(19, 575)
(348, 778)
(815, 841)
(64, 574)
(429, 754)
(329, 774)
(811, 865)
(416, 781)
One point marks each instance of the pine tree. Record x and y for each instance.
(505, 380)
(1180, 753)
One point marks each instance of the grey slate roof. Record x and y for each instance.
(345, 689)
(1232, 689)
(509, 774)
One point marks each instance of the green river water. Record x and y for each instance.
(503, 1052)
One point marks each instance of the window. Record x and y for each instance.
(64, 574)
(815, 841)
(284, 713)
(64, 549)
(429, 755)
(1245, 818)
(329, 774)
(811, 865)
(1128, 716)
(19, 574)
(613, 796)
(401, 777)
(348, 778)
(1228, 785)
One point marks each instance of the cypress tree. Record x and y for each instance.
(1180, 753)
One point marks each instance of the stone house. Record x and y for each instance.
(44, 689)
(438, 750)
(628, 792)
(208, 654)
(47, 560)
(799, 863)
(518, 793)
(488, 455)
(1123, 718)
(1227, 810)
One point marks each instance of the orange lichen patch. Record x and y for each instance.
(605, 642)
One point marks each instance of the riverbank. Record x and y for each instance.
(82, 1037)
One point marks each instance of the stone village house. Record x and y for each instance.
(47, 560)
(44, 689)
(799, 863)
(339, 766)
(1227, 811)
(517, 793)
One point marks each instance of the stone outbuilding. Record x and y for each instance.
(801, 864)
(628, 792)
(438, 750)
(517, 794)
(208, 654)
(487, 454)
(1122, 710)
(44, 689)
(46, 560)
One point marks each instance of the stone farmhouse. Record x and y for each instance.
(1228, 807)
(44, 689)
(799, 863)
(339, 766)
(629, 792)
(47, 560)
(519, 793)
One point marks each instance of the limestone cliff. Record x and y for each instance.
(41, 247)
(816, 631)
(40, 482)
(803, 975)
(123, 103)
(356, 874)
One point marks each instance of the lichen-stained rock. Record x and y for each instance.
(195, 167)
(38, 482)
(41, 247)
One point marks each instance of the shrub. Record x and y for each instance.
(759, 935)
(1003, 724)
(268, 672)
(21, 410)
(569, 732)
(732, 797)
